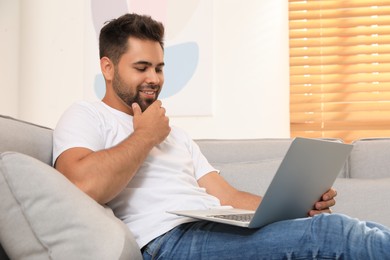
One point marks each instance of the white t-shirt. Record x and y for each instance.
(167, 180)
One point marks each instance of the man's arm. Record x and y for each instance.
(217, 186)
(103, 174)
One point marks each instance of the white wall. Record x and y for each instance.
(51, 68)
(250, 66)
(9, 53)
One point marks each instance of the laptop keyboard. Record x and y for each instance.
(237, 217)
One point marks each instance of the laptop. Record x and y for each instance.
(307, 171)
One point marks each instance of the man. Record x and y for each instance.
(122, 152)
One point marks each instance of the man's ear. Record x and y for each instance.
(107, 68)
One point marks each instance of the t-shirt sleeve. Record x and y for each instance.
(79, 126)
(201, 164)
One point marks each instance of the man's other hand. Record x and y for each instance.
(323, 206)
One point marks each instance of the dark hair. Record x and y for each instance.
(114, 34)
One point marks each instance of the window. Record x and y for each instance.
(340, 68)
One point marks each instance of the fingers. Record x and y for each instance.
(320, 211)
(136, 109)
(327, 201)
(324, 205)
(157, 105)
(152, 123)
(330, 194)
(316, 212)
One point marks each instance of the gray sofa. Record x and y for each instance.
(44, 216)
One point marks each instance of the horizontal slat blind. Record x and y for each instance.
(340, 68)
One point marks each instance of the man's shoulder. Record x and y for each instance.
(86, 105)
(181, 135)
(83, 107)
(80, 112)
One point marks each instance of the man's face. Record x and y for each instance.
(139, 76)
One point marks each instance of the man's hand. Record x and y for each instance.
(153, 123)
(327, 201)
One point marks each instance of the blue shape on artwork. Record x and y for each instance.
(99, 86)
(181, 61)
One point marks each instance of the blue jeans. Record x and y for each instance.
(325, 236)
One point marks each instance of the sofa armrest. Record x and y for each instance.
(24, 137)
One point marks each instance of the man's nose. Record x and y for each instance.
(152, 77)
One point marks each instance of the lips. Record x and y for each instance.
(149, 92)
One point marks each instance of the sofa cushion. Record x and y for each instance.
(365, 199)
(44, 216)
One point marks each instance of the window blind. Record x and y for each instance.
(340, 68)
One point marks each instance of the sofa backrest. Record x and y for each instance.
(370, 158)
(27, 138)
(258, 159)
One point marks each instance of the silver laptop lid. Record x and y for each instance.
(308, 169)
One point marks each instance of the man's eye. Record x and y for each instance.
(158, 70)
(141, 68)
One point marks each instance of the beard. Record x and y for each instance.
(128, 96)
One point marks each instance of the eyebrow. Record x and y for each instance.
(148, 63)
